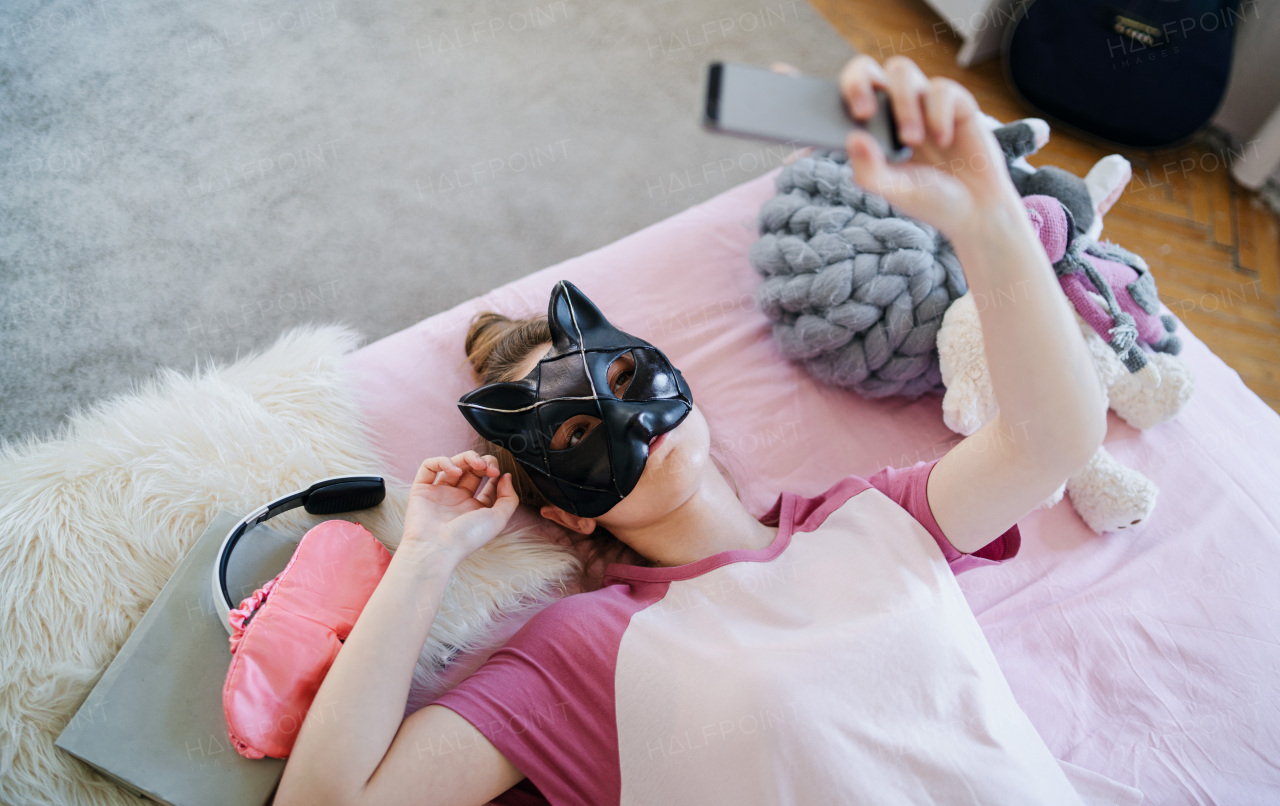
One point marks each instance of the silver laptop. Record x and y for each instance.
(154, 721)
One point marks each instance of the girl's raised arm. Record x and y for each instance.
(342, 753)
(1051, 417)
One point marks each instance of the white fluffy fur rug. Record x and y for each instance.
(92, 524)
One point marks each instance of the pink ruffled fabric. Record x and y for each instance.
(247, 608)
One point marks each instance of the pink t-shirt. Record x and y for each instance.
(718, 674)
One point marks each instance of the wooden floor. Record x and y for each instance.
(1212, 245)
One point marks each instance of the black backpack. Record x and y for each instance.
(1133, 73)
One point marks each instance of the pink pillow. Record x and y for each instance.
(287, 634)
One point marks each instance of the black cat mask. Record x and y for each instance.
(621, 392)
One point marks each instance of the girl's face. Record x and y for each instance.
(673, 471)
(672, 475)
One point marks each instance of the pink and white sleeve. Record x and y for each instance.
(545, 699)
(906, 486)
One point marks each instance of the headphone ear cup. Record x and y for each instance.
(347, 496)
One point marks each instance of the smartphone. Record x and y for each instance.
(802, 110)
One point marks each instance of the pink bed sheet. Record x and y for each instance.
(1149, 656)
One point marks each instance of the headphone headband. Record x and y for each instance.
(326, 497)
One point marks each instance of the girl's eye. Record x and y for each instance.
(573, 431)
(621, 371)
(621, 382)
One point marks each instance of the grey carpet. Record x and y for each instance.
(182, 182)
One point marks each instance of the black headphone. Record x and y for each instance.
(329, 496)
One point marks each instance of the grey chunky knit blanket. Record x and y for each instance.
(856, 290)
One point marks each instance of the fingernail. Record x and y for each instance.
(866, 107)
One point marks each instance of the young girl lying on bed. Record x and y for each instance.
(822, 653)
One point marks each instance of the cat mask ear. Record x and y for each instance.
(505, 414)
(576, 322)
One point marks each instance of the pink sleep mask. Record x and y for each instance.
(287, 634)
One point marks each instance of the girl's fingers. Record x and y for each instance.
(488, 491)
(869, 166)
(481, 468)
(939, 108)
(506, 500)
(494, 490)
(431, 469)
(472, 470)
(465, 471)
(867, 157)
(443, 471)
(858, 80)
(480, 465)
(907, 86)
(928, 111)
(966, 117)
(449, 472)
(896, 183)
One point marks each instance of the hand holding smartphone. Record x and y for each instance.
(799, 109)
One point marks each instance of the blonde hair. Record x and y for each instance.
(497, 347)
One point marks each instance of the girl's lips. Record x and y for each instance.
(656, 441)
